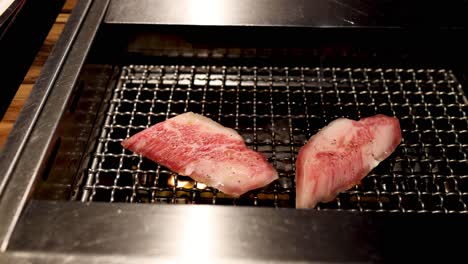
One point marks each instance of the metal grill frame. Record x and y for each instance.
(276, 109)
(68, 229)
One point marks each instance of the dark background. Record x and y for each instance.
(22, 32)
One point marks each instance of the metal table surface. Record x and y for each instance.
(222, 233)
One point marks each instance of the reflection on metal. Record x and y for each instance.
(197, 234)
(206, 12)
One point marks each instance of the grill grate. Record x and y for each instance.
(276, 110)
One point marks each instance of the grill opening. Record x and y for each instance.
(276, 110)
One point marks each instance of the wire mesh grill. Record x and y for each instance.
(276, 109)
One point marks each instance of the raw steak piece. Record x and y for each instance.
(341, 154)
(196, 146)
